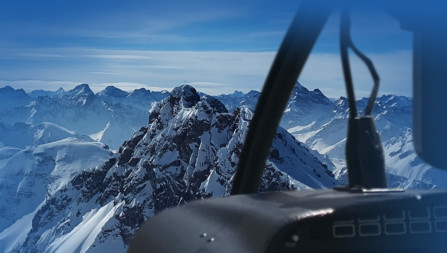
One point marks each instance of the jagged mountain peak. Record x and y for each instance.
(395, 101)
(82, 88)
(7, 89)
(181, 98)
(214, 104)
(40, 93)
(186, 94)
(10, 90)
(318, 92)
(237, 98)
(300, 87)
(144, 97)
(237, 93)
(382, 104)
(112, 91)
(80, 95)
(200, 145)
(301, 95)
(140, 92)
(10, 97)
(243, 112)
(341, 104)
(252, 93)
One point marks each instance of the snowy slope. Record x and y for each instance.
(393, 116)
(30, 174)
(189, 150)
(15, 235)
(110, 116)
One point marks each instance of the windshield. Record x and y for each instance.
(111, 113)
(323, 125)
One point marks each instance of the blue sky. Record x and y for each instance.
(217, 46)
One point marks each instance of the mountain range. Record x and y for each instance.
(109, 116)
(76, 180)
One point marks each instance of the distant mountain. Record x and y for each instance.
(113, 92)
(40, 93)
(236, 99)
(139, 98)
(302, 108)
(189, 150)
(110, 116)
(63, 191)
(11, 98)
(306, 108)
(321, 123)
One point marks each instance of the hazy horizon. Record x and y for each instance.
(160, 89)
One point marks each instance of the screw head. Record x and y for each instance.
(295, 238)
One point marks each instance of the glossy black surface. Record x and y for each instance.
(302, 221)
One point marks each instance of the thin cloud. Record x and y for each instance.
(39, 55)
(217, 71)
(141, 24)
(172, 67)
(324, 71)
(274, 34)
(118, 56)
(206, 84)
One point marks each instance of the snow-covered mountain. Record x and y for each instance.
(139, 98)
(321, 124)
(189, 150)
(238, 98)
(110, 116)
(40, 93)
(29, 175)
(393, 116)
(9, 97)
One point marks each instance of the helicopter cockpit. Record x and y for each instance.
(365, 215)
